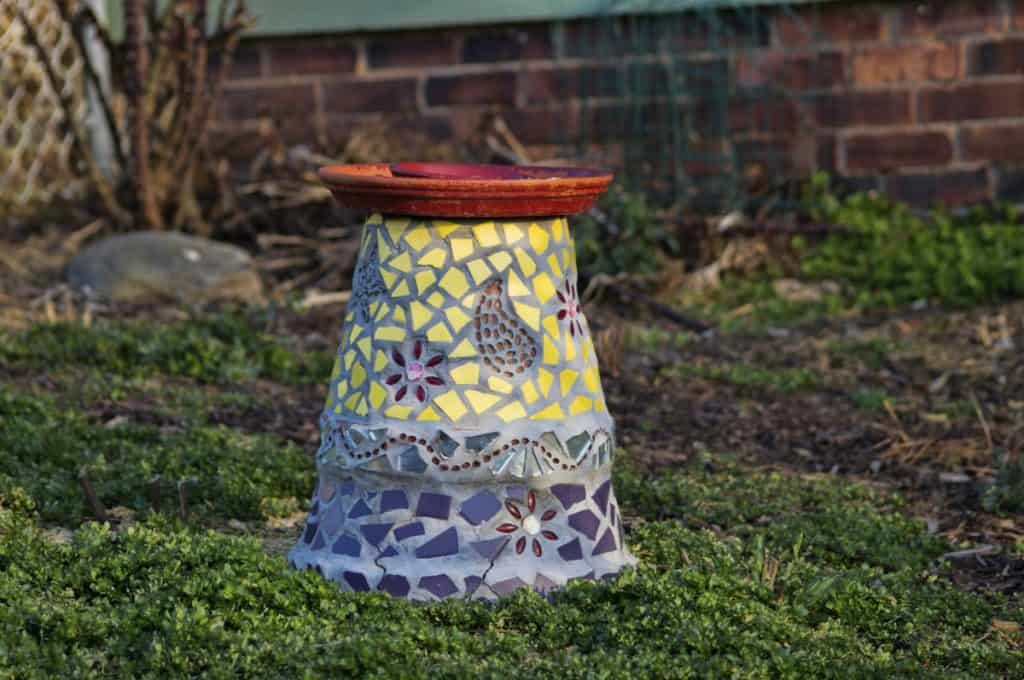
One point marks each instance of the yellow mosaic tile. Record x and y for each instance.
(479, 270)
(516, 287)
(433, 258)
(530, 393)
(566, 262)
(358, 376)
(457, 318)
(336, 369)
(424, 280)
(570, 347)
(545, 379)
(362, 408)
(364, 346)
(402, 263)
(377, 310)
(450, 403)
(399, 411)
(513, 232)
(350, 357)
(443, 228)
(395, 227)
(418, 238)
(496, 384)
(592, 379)
(551, 412)
(462, 248)
(428, 414)
(600, 406)
(439, 333)
(514, 411)
(556, 228)
(566, 379)
(436, 299)
(556, 269)
(580, 405)
(399, 315)
(542, 287)
(466, 374)
(526, 263)
(383, 249)
(421, 314)
(352, 400)
(487, 234)
(401, 290)
(551, 325)
(380, 361)
(538, 238)
(481, 401)
(377, 395)
(529, 314)
(391, 333)
(469, 301)
(551, 357)
(500, 261)
(454, 283)
(342, 388)
(355, 331)
(375, 218)
(464, 350)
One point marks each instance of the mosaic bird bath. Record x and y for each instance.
(466, 447)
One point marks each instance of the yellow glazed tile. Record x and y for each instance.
(479, 270)
(530, 394)
(364, 346)
(570, 347)
(342, 388)
(545, 379)
(443, 228)
(380, 361)
(487, 234)
(450, 403)
(466, 374)
(551, 325)
(425, 279)
(389, 277)
(516, 287)
(421, 314)
(500, 261)
(398, 411)
(526, 263)
(358, 376)
(375, 218)
(352, 400)
(481, 401)
(580, 405)
(542, 287)
(464, 350)
(529, 314)
(402, 263)
(552, 412)
(418, 238)
(566, 379)
(538, 238)
(496, 384)
(428, 414)
(439, 333)
(513, 411)
(383, 249)
(362, 408)
(401, 290)
(392, 333)
(566, 262)
(399, 315)
(436, 299)
(513, 232)
(395, 228)
(377, 395)
(556, 229)
(350, 357)
(356, 331)
(433, 258)
(457, 318)
(556, 269)
(454, 282)
(336, 369)
(551, 357)
(592, 379)
(377, 310)
(462, 248)
(600, 406)
(469, 301)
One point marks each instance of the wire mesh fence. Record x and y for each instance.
(36, 159)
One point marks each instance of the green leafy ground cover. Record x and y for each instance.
(743, 573)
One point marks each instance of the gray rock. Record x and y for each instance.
(150, 265)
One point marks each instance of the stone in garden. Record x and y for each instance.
(152, 266)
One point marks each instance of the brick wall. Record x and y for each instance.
(922, 100)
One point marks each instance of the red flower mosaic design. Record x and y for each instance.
(571, 308)
(416, 372)
(529, 524)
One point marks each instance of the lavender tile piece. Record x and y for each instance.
(360, 509)
(389, 551)
(472, 583)
(508, 586)
(435, 505)
(307, 536)
(601, 496)
(409, 530)
(585, 522)
(606, 544)
(395, 585)
(491, 548)
(569, 494)
(333, 518)
(439, 585)
(318, 543)
(542, 584)
(356, 581)
(375, 533)
(478, 443)
(571, 551)
(445, 543)
(480, 507)
(393, 499)
(446, 446)
(347, 545)
(347, 489)
(516, 493)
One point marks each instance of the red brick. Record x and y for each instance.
(887, 152)
(883, 65)
(275, 101)
(997, 143)
(972, 101)
(997, 58)
(557, 85)
(514, 43)
(412, 49)
(370, 96)
(754, 114)
(472, 90)
(245, 63)
(863, 108)
(841, 23)
(310, 56)
(961, 187)
(775, 69)
(951, 17)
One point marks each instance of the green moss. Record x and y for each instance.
(783, 380)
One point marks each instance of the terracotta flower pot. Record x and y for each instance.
(466, 444)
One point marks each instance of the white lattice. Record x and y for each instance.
(35, 145)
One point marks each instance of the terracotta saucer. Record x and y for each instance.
(462, 190)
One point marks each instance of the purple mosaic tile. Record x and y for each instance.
(491, 548)
(585, 522)
(480, 507)
(318, 543)
(375, 533)
(333, 518)
(508, 586)
(346, 545)
(569, 494)
(601, 496)
(389, 551)
(307, 536)
(542, 584)
(393, 499)
(606, 544)
(360, 509)
(445, 543)
(435, 505)
(516, 493)
(409, 530)
(394, 585)
(571, 551)
(472, 583)
(356, 581)
(440, 585)
(346, 489)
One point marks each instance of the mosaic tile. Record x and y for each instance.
(409, 531)
(508, 586)
(393, 499)
(356, 581)
(360, 509)
(479, 442)
(601, 496)
(569, 494)
(411, 461)
(543, 584)
(395, 585)
(375, 533)
(585, 522)
(444, 544)
(538, 239)
(480, 507)
(434, 505)
(445, 445)
(571, 551)
(606, 544)
(346, 545)
(439, 585)
(489, 549)
(486, 234)
(307, 535)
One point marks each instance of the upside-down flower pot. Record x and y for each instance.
(466, 447)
